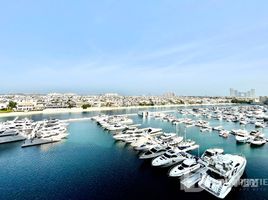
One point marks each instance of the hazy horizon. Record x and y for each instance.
(120, 94)
(191, 48)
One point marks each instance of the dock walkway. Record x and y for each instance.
(89, 118)
(35, 142)
(8, 139)
(191, 180)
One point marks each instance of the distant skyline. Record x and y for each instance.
(134, 47)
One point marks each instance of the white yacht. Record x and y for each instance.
(224, 171)
(145, 131)
(154, 131)
(224, 133)
(105, 121)
(128, 135)
(175, 141)
(218, 128)
(116, 127)
(206, 156)
(2, 129)
(258, 141)
(9, 132)
(240, 132)
(132, 138)
(127, 132)
(190, 125)
(167, 136)
(242, 136)
(47, 131)
(169, 158)
(256, 133)
(243, 122)
(186, 167)
(188, 148)
(122, 120)
(61, 136)
(140, 141)
(186, 143)
(259, 125)
(146, 146)
(219, 117)
(154, 152)
(99, 117)
(205, 129)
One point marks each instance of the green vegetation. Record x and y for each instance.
(11, 105)
(243, 101)
(70, 103)
(146, 104)
(5, 110)
(108, 104)
(177, 102)
(85, 106)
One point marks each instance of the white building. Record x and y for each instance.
(111, 94)
(264, 99)
(3, 106)
(25, 106)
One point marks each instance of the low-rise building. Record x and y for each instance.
(25, 106)
(263, 99)
(3, 106)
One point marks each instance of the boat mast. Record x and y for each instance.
(185, 133)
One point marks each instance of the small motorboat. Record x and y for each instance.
(258, 141)
(186, 167)
(259, 125)
(154, 152)
(170, 157)
(242, 138)
(224, 133)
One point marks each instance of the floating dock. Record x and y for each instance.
(191, 180)
(14, 138)
(8, 134)
(130, 114)
(35, 142)
(76, 119)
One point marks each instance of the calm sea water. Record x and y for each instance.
(91, 165)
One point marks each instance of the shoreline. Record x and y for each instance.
(97, 109)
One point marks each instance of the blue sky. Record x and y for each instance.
(134, 47)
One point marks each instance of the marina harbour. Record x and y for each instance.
(134, 100)
(88, 158)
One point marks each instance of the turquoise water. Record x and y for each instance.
(91, 165)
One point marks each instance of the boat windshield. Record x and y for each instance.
(167, 155)
(148, 152)
(180, 167)
(208, 154)
(153, 150)
(185, 165)
(215, 175)
(183, 147)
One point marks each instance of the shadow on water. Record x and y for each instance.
(156, 171)
(7, 147)
(257, 146)
(120, 144)
(240, 143)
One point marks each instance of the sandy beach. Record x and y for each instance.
(96, 109)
